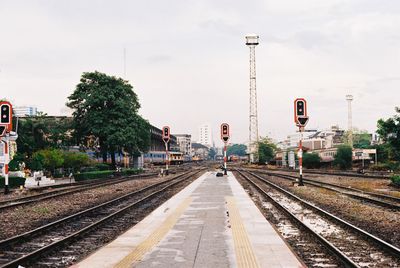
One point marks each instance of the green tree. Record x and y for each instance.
(344, 157)
(389, 131)
(106, 109)
(41, 132)
(236, 149)
(311, 160)
(36, 162)
(361, 139)
(266, 150)
(382, 151)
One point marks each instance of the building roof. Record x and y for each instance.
(196, 145)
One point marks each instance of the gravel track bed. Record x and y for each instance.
(87, 245)
(18, 220)
(380, 186)
(381, 222)
(309, 250)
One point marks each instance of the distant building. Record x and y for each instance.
(184, 142)
(323, 142)
(205, 135)
(24, 111)
(199, 151)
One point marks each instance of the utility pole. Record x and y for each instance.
(252, 42)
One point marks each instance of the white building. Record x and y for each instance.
(184, 142)
(205, 135)
(23, 111)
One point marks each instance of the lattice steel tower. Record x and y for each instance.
(252, 42)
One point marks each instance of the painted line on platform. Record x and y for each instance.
(245, 256)
(153, 239)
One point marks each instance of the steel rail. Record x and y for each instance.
(50, 247)
(346, 261)
(6, 204)
(393, 250)
(356, 195)
(390, 197)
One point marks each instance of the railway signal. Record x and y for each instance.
(6, 116)
(301, 120)
(5, 129)
(225, 135)
(300, 112)
(166, 136)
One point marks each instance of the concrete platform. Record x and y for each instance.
(210, 223)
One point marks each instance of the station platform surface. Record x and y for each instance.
(211, 223)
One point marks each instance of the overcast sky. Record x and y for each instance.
(188, 62)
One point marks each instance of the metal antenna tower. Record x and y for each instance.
(252, 42)
(349, 99)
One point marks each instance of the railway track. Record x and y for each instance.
(11, 203)
(65, 235)
(383, 200)
(346, 174)
(353, 246)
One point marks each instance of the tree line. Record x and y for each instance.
(105, 119)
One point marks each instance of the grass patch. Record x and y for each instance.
(41, 210)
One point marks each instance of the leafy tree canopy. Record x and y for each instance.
(42, 132)
(106, 109)
(389, 131)
(266, 150)
(236, 149)
(361, 138)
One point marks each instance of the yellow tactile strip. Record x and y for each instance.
(153, 239)
(244, 251)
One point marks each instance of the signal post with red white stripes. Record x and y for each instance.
(301, 119)
(225, 135)
(166, 136)
(5, 130)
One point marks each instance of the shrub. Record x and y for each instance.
(12, 181)
(389, 165)
(96, 167)
(395, 179)
(132, 171)
(49, 159)
(102, 166)
(93, 175)
(311, 160)
(343, 157)
(58, 174)
(380, 167)
(17, 160)
(75, 160)
(37, 161)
